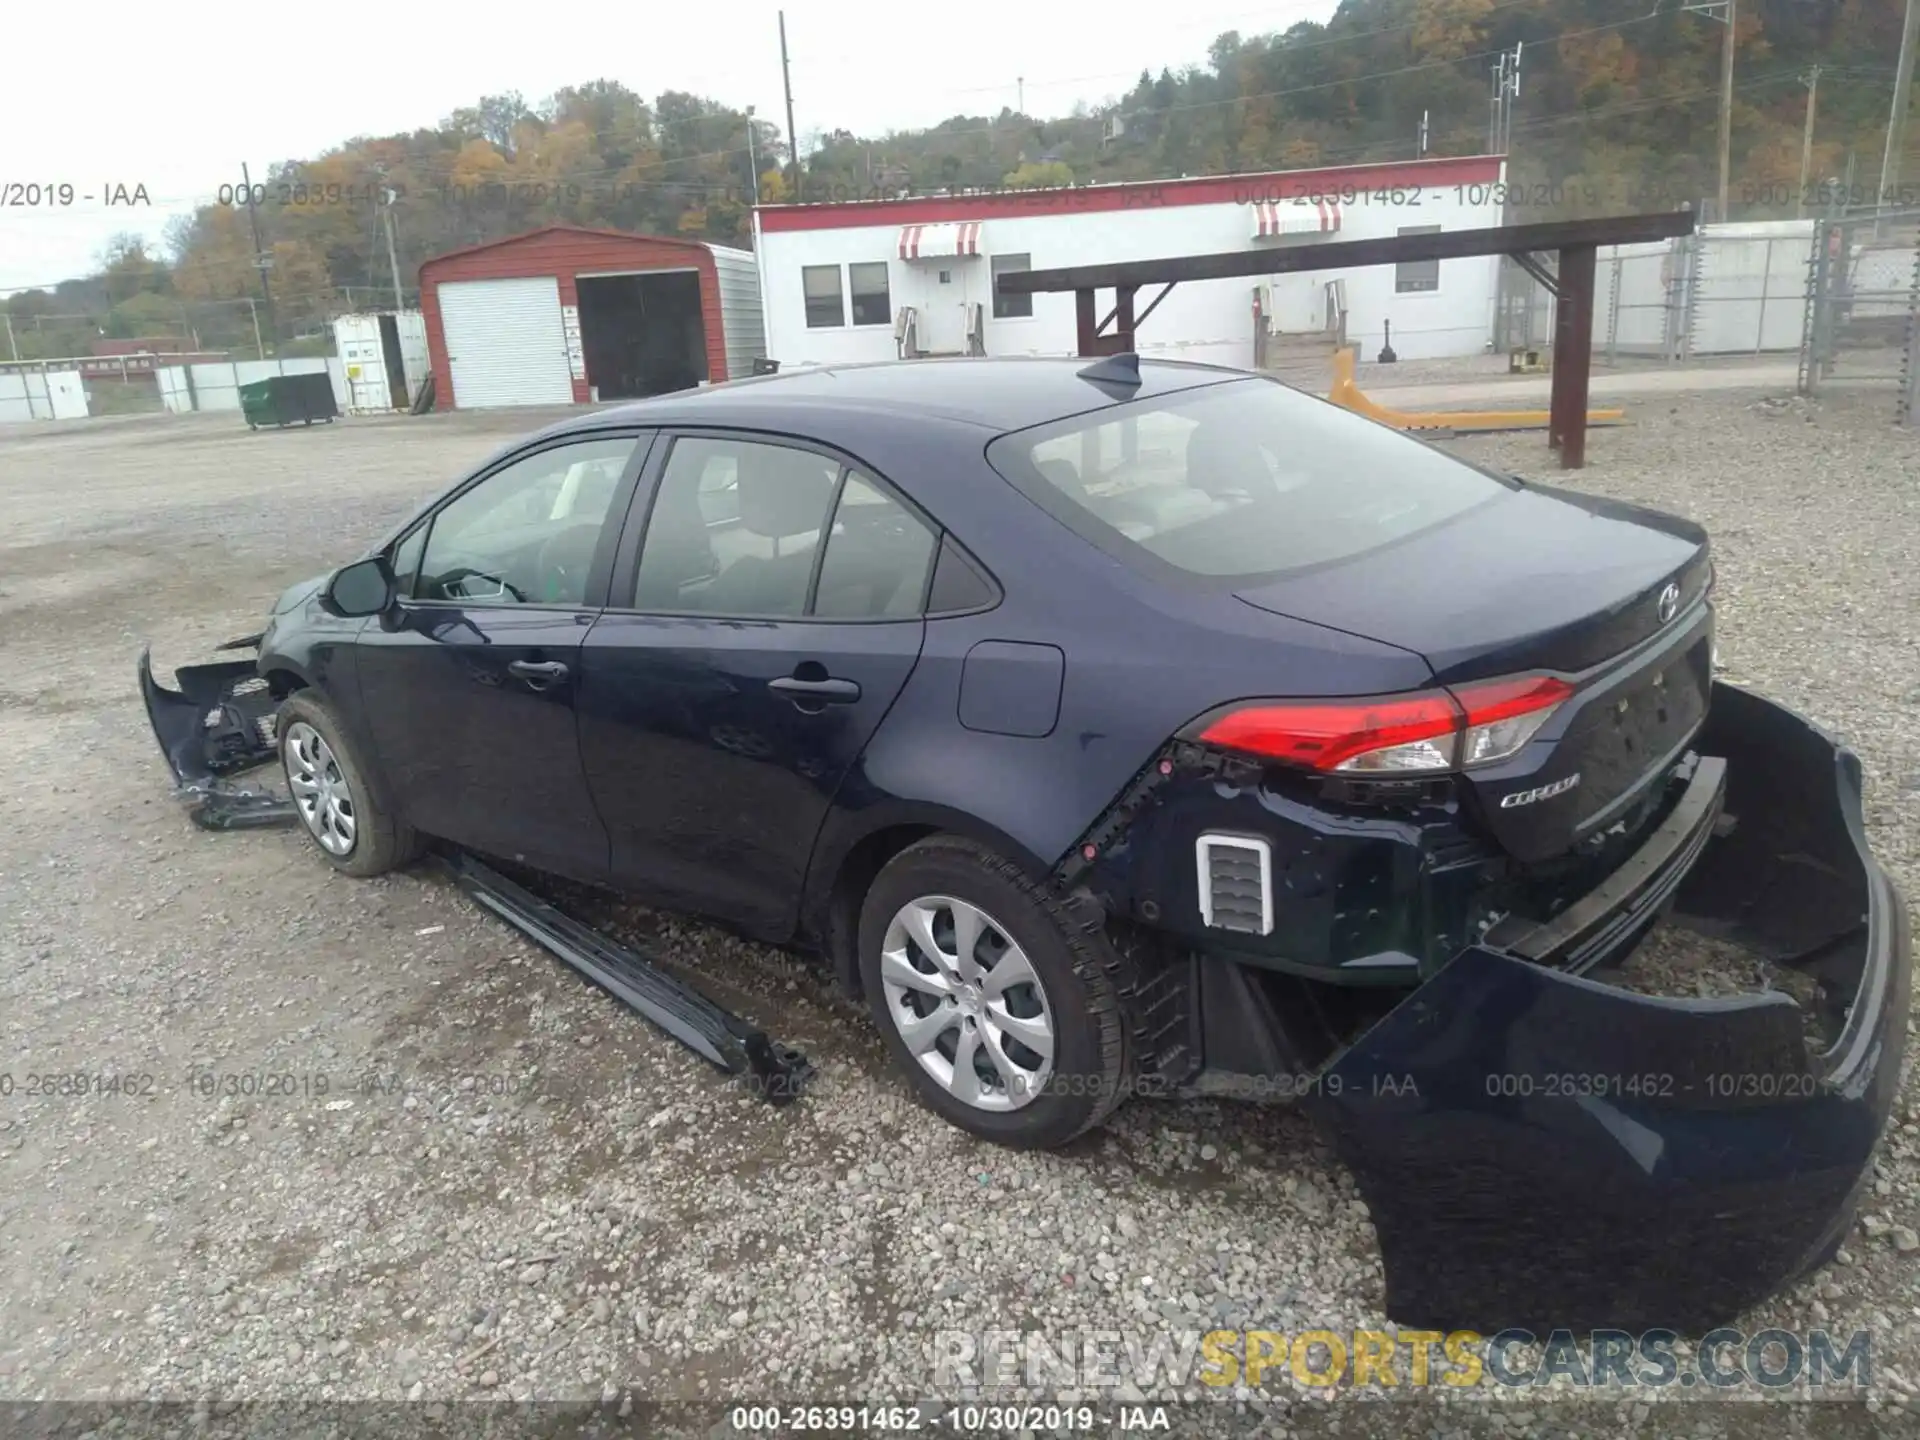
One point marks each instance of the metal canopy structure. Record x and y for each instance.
(1575, 243)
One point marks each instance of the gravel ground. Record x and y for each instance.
(479, 1178)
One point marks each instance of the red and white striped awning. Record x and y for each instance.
(1295, 217)
(940, 242)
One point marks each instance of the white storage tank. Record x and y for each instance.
(385, 357)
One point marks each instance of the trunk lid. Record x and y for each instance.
(1604, 594)
(1535, 579)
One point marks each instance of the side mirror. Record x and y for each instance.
(362, 588)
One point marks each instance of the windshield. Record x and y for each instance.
(1242, 479)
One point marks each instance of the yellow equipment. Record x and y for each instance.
(1349, 396)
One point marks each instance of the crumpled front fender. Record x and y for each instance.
(1541, 1150)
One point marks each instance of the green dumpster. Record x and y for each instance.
(284, 399)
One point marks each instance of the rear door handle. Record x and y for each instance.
(538, 674)
(815, 692)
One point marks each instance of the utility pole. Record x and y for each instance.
(1721, 10)
(753, 163)
(393, 260)
(1020, 95)
(254, 310)
(1726, 107)
(1902, 93)
(786, 80)
(1812, 77)
(13, 346)
(1506, 91)
(261, 262)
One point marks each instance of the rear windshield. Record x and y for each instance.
(1242, 479)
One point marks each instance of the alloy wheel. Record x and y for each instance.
(968, 1003)
(320, 791)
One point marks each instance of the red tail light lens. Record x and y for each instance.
(1425, 733)
(1395, 732)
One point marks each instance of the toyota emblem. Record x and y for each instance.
(1669, 603)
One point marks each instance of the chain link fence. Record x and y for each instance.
(1862, 297)
(1729, 290)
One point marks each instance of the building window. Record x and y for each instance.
(821, 286)
(1010, 307)
(871, 304)
(1411, 277)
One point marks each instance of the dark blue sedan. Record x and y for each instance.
(1143, 725)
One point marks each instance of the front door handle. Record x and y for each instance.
(814, 693)
(538, 674)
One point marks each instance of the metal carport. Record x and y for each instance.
(1576, 243)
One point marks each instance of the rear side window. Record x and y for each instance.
(735, 529)
(752, 529)
(877, 557)
(1244, 479)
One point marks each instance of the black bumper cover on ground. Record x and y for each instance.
(216, 725)
(1541, 1150)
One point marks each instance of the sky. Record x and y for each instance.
(176, 100)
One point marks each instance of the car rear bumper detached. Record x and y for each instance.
(1540, 1149)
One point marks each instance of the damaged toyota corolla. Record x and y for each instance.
(1139, 725)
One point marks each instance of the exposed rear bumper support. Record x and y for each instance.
(1597, 926)
(776, 1072)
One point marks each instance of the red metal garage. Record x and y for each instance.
(567, 314)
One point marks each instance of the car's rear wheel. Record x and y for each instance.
(1002, 1011)
(344, 814)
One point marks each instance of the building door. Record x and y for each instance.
(506, 344)
(67, 394)
(943, 323)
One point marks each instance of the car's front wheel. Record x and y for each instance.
(331, 788)
(1000, 1009)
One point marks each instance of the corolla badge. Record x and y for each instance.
(1669, 603)
(1540, 792)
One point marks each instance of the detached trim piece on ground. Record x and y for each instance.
(776, 1072)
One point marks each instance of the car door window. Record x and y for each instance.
(877, 558)
(734, 529)
(526, 534)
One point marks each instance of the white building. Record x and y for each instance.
(882, 279)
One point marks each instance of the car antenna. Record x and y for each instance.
(1121, 370)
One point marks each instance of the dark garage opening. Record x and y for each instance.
(642, 334)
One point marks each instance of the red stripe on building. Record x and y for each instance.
(1138, 195)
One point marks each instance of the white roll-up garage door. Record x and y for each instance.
(506, 344)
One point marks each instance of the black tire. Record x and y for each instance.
(381, 840)
(1080, 972)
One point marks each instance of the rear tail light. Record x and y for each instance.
(1425, 733)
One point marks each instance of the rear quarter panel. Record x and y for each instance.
(1140, 660)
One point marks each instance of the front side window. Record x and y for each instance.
(1248, 478)
(526, 534)
(820, 286)
(1010, 307)
(871, 303)
(734, 528)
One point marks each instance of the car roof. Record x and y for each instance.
(1000, 394)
